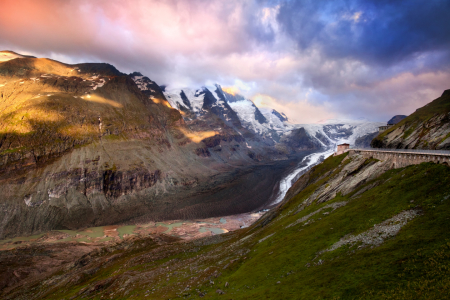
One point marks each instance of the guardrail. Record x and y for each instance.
(412, 151)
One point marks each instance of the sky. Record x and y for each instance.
(311, 59)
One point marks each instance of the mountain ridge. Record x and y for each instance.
(352, 227)
(427, 128)
(271, 126)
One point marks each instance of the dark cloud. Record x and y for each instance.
(373, 31)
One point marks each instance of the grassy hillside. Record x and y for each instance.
(440, 105)
(389, 238)
(427, 127)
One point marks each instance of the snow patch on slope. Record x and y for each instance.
(195, 98)
(274, 122)
(245, 110)
(265, 122)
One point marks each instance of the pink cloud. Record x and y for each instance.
(194, 42)
(299, 112)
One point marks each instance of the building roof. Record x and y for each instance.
(345, 144)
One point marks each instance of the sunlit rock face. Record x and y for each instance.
(8, 55)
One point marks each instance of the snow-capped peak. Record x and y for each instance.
(335, 132)
(265, 122)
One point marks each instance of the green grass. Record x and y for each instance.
(327, 165)
(114, 137)
(444, 138)
(440, 105)
(410, 130)
(318, 172)
(415, 264)
(359, 274)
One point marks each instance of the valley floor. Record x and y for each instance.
(107, 235)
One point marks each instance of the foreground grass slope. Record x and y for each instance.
(389, 238)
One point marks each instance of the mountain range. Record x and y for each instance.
(85, 145)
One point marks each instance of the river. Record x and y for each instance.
(304, 165)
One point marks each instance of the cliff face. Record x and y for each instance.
(427, 128)
(348, 220)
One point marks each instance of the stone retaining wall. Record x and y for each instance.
(403, 159)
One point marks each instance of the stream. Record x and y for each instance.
(304, 165)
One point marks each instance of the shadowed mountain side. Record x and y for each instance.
(116, 181)
(395, 119)
(299, 138)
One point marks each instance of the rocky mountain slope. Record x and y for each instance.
(234, 109)
(85, 144)
(350, 228)
(427, 128)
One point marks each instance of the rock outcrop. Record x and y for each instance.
(365, 140)
(395, 119)
(427, 128)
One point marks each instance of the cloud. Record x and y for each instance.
(372, 31)
(368, 58)
(402, 94)
(349, 58)
(134, 34)
(298, 112)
